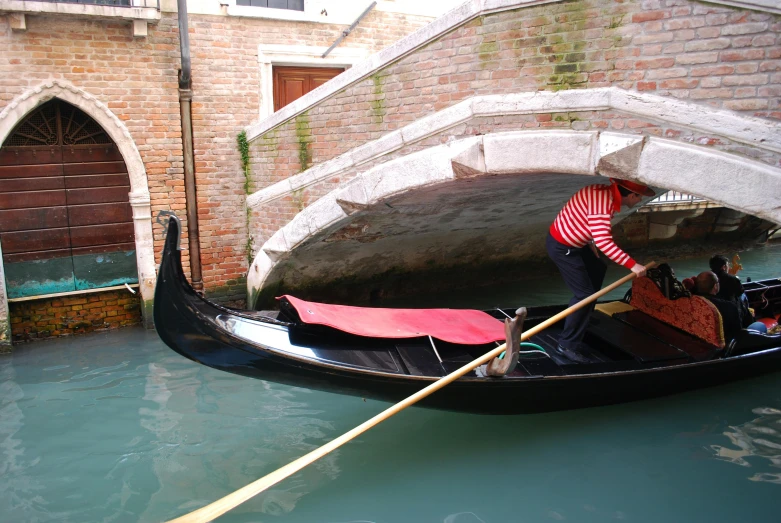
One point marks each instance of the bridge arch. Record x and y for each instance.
(139, 196)
(537, 169)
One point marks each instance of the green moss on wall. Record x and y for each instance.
(566, 47)
(298, 199)
(243, 145)
(378, 101)
(616, 22)
(269, 143)
(565, 117)
(488, 47)
(147, 313)
(233, 291)
(304, 138)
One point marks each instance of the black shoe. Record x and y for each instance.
(571, 355)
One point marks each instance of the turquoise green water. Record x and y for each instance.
(116, 427)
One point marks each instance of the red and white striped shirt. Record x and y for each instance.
(586, 217)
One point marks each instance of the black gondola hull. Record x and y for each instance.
(191, 326)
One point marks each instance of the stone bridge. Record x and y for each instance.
(457, 147)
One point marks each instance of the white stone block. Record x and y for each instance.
(612, 142)
(353, 195)
(738, 183)
(437, 122)
(471, 154)
(408, 173)
(721, 122)
(383, 145)
(139, 28)
(322, 214)
(516, 152)
(258, 273)
(542, 102)
(321, 171)
(269, 193)
(17, 21)
(276, 247)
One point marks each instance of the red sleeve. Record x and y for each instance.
(599, 225)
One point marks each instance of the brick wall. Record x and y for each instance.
(38, 319)
(225, 83)
(136, 78)
(722, 57)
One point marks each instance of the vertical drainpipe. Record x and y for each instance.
(185, 100)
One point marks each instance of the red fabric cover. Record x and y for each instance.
(694, 315)
(470, 327)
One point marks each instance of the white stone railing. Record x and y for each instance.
(673, 197)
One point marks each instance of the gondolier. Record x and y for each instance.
(582, 229)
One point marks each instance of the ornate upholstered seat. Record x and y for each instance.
(696, 315)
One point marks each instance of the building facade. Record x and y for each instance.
(300, 179)
(92, 140)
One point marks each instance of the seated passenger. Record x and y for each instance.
(707, 286)
(731, 289)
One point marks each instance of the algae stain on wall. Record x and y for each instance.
(304, 138)
(569, 52)
(269, 142)
(378, 101)
(298, 199)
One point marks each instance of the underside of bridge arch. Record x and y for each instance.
(483, 202)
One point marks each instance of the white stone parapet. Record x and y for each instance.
(756, 132)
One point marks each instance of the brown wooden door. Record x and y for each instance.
(65, 219)
(291, 83)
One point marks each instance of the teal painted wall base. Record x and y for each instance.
(71, 273)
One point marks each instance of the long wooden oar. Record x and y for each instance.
(223, 505)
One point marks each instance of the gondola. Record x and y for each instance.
(633, 356)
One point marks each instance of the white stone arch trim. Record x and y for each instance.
(139, 197)
(755, 132)
(744, 185)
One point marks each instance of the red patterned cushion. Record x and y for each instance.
(694, 315)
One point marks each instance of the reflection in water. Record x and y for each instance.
(760, 437)
(463, 517)
(180, 422)
(119, 428)
(23, 493)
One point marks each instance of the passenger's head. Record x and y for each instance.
(718, 263)
(707, 283)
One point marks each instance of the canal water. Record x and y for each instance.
(115, 427)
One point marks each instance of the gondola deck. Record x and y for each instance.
(633, 355)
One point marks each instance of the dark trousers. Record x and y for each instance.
(583, 273)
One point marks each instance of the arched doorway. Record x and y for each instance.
(66, 223)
